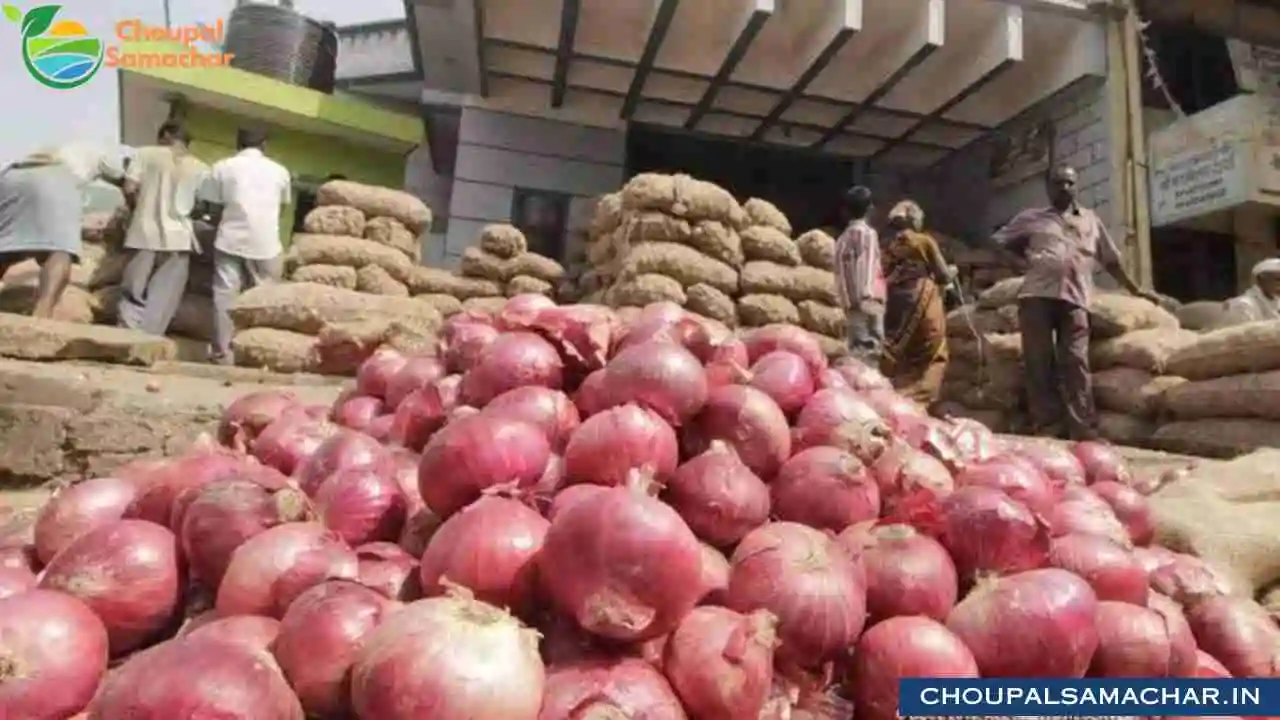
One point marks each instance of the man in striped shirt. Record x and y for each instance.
(860, 279)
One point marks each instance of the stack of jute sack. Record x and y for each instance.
(825, 319)
(984, 375)
(1130, 378)
(101, 236)
(500, 263)
(1230, 402)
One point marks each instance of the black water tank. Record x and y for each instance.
(281, 43)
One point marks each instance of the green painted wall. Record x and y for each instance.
(213, 137)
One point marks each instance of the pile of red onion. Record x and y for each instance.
(568, 512)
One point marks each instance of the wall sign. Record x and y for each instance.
(1257, 67)
(1202, 164)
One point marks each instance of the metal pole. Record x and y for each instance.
(168, 24)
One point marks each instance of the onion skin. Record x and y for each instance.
(344, 449)
(362, 505)
(1055, 461)
(857, 375)
(1083, 512)
(417, 372)
(825, 488)
(251, 632)
(15, 580)
(906, 474)
(78, 509)
(512, 360)
(53, 656)
(129, 573)
(1008, 623)
(249, 415)
(715, 576)
(612, 445)
(273, 568)
(608, 688)
(1101, 462)
(622, 564)
(464, 340)
(1016, 477)
(286, 443)
(571, 496)
(764, 340)
(661, 377)
(196, 677)
(1238, 633)
(1111, 570)
(786, 378)
(357, 412)
(423, 412)
(160, 488)
(720, 663)
(223, 515)
(1188, 580)
(475, 453)
(807, 582)
(374, 375)
(490, 548)
(548, 409)
(749, 422)
(841, 418)
(1130, 508)
(986, 531)
(390, 570)
(903, 647)
(908, 573)
(1140, 642)
(448, 659)
(319, 639)
(718, 496)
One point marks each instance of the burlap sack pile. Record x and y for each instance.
(825, 319)
(312, 327)
(100, 264)
(500, 266)
(984, 375)
(1230, 403)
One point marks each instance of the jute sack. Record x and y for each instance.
(194, 318)
(817, 249)
(334, 220)
(527, 285)
(710, 302)
(964, 320)
(1227, 515)
(1253, 347)
(1142, 349)
(76, 305)
(376, 201)
(1132, 392)
(761, 310)
(306, 308)
(1112, 315)
(392, 233)
(1124, 429)
(477, 263)
(822, 319)
(487, 305)
(339, 276)
(990, 348)
(834, 348)
(279, 351)
(435, 281)
(1203, 315)
(761, 242)
(607, 216)
(446, 305)
(374, 280)
(683, 264)
(1001, 294)
(1253, 395)
(682, 196)
(1006, 371)
(646, 289)
(710, 237)
(1004, 397)
(503, 240)
(763, 212)
(794, 283)
(538, 266)
(349, 251)
(1217, 437)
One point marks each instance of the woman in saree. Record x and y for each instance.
(915, 356)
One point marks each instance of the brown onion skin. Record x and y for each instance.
(613, 444)
(720, 662)
(908, 573)
(897, 648)
(78, 509)
(825, 488)
(130, 573)
(718, 496)
(1110, 569)
(1239, 633)
(808, 582)
(194, 677)
(622, 687)
(748, 421)
(1007, 623)
(319, 639)
(271, 569)
(1135, 642)
(54, 654)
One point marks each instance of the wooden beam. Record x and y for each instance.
(569, 12)
(657, 35)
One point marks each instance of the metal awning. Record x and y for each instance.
(906, 82)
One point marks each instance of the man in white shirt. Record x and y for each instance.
(250, 188)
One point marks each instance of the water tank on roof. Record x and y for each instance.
(282, 43)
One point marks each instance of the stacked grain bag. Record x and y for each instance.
(984, 376)
(501, 265)
(825, 319)
(1230, 402)
(101, 236)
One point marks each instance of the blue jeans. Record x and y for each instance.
(866, 332)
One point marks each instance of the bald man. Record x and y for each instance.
(1062, 245)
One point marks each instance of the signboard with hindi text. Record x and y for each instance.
(1203, 163)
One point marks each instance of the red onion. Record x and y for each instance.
(857, 375)
(418, 530)
(715, 576)
(417, 372)
(159, 490)
(490, 548)
(1010, 623)
(189, 676)
(658, 376)
(1083, 512)
(1130, 508)
(623, 564)
(908, 573)
(807, 582)
(764, 340)
(785, 377)
(571, 496)
(380, 428)
(1239, 633)
(390, 570)
(272, 568)
(726, 372)
(448, 659)
(22, 558)
(251, 632)
(718, 496)
(583, 334)
(512, 360)
(1153, 558)
(987, 531)
(1110, 569)
(1136, 642)
(423, 412)
(287, 443)
(840, 418)
(550, 410)
(15, 580)
(246, 417)
(475, 453)
(1102, 462)
(749, 422)
(1208, 666)
(358, 412)
(464, 339)
(362, 505)
(129, 573)
(720, 663)
(825, 488)
(1054, 460)
(373, 378)
(320, 636)
(53, 656)
(903, 647)
(974, 440)
(900, 412)
(223, 515)
(905, 475)
(520, 311)
(77, 509)
(609, 688)
(1016, 477)
(344, 449)
(1187, 579)
(612, 445)
(659, 322)
(590, 398)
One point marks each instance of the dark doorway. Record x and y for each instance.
(804, 185)
(1193, 265)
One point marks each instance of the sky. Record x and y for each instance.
(36, 116)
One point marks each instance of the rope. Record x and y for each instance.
(281, 43)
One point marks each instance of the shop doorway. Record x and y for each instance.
(1192, 265)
